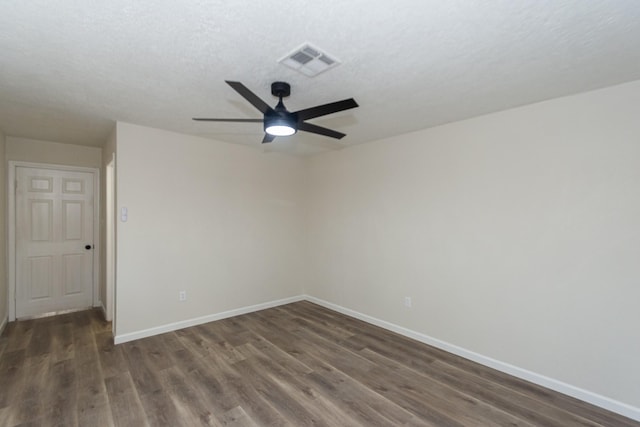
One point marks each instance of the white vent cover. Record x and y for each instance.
(309, 60)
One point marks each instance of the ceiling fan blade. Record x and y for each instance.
(267, 138)
(323, 110)
(308, 127)
(250, 96)
(200, 119)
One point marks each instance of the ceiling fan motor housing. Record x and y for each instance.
(280, 89)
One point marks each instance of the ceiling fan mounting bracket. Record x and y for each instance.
(280, 89)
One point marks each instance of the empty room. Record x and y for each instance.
(338, 213)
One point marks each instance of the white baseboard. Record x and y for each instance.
(119, 339)
(559, 386)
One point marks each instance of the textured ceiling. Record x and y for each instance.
(69, 70)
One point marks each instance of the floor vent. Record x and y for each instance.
(309, 60)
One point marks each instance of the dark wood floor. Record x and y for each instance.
(298, 364)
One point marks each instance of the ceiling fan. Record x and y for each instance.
(278, 121)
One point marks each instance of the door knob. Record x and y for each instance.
(88, 247)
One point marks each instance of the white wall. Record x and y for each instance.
(32, 150)
(223, 222)
(517, 234)
(4, 308)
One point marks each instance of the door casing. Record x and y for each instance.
(110, 242)
(11, 232)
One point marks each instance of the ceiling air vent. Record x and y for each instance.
(309, 60)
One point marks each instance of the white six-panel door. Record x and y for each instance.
(54, 240)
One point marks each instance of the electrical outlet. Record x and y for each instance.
(407, 302)
(182, 296)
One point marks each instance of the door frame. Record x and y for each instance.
(11, 227)
(110, 240)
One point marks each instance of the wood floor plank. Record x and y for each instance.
(97, 415)
(110, 356)
(193, 342)
(62, 347)
(263, 347)
(239, 390)
(390, 340)
(237, 417)
(341, 360)
(93, 400)
(5, 416)
(296, 386)
(340, 387)
(221, 347)
(61, 400)
(93, 405)
(233, 331)
(193, 406)
(323, 327)
(288, 406)
(294, 365)
(19, 334)
(363, 371)
(34, 391)
(369, 409)
(520, 405)
(156, 353)
(160, 409)
(11, 372)
(497, 395)
(458, 405)
(126, 408)
(141, 368)
(41, 339)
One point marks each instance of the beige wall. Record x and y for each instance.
(31, 150)
(516, 234)
(222, 222)
(3, 236)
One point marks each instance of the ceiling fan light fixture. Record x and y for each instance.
(279, 127)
